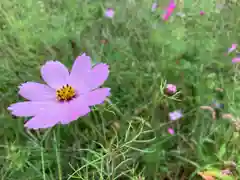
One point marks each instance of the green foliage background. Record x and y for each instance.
(127, 138)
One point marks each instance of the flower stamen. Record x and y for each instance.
(66, 93)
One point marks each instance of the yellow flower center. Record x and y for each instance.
(66, 93)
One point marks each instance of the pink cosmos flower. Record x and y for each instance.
(154, 6)
(175, 115)
(171, 88)
(169, 10)
(65, 97)
(171, 131)
(109, 13)
(233, 48)
(236, 60)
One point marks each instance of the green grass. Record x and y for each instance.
(126, 138)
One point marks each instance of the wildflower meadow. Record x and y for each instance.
(120, 90)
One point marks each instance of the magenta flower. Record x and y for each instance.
(169, 10)
(154, 6)
(175, 115)
(171, 88)
(109, 13)
(202, 13)
(233, 48)
(171, 131)
(66, 97)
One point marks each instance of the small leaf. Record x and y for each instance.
(222, 151)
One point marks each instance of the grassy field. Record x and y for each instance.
(126, 137)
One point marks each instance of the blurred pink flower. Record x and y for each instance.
(171, 131)
(171, 88)
(175, 115)
(233, 48)
(154, 6)
(169, 10)
(226, 172)
(65, 97)
(202, 13)
(236, 60)
(109, 13)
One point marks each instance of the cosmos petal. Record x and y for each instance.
(80, 73)
(63, 113)
(75, 109)
(28, 108)
(97, 96)
(98, 75)
(36, 91)
(48, 117)
(40, 121)
(55, 74)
